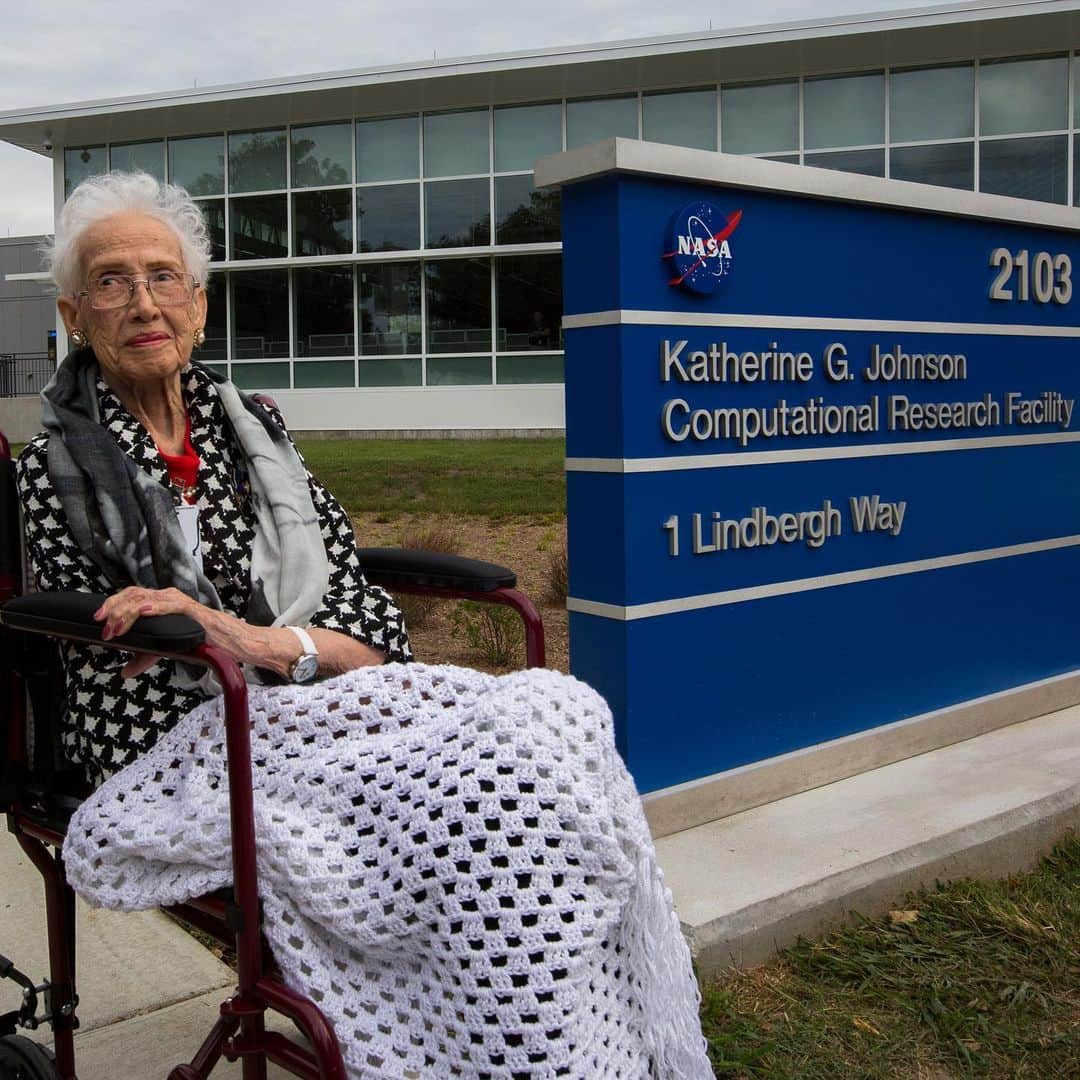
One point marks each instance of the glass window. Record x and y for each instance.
(324, 373)
(529, 368)
(866, 162)
(261, 376)
(260, 314)
(459, 370)
(81, 162)
(380, 372)
(458, 305)
(389, 309)
(528, 290)
(198, 164)
(1026, 168)
(848, 110)
(217, 336)
(456, 143)
(1023, 95)
(322, 222)
(946, 164)
(683, 119)
(932, 103)
(388, 217)
(146, 157)
(1076, 90)
(256, 160)
(600, 118)
(457, 213)
(213, 211)
(759, 119)
(259, 227)
(1076, 171)
(524, 215)
(323, 305)
(524, 133)
(321, 154)
(388, 149)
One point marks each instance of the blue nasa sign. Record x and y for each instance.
(698, 245)
(838, 490)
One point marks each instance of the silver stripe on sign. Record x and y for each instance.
(817, 453)
(767, 323)
(824, 581)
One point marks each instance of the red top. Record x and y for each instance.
(184, 467)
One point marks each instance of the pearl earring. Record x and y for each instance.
(199, 338)
(78, 338)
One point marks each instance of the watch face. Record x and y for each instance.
(305, 669)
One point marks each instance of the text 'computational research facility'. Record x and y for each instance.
(384, 261)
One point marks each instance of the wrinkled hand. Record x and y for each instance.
(122, 609)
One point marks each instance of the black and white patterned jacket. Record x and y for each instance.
(109, 721)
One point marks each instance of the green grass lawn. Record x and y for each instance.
(982, 981)
(495, 478)
(486, 477)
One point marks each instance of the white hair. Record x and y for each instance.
(101, 197)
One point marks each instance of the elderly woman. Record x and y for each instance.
(136, 435)
(456, 867)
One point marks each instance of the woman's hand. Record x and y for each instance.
(122, 609)
(270, 647)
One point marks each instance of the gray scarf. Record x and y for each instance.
(125, 521)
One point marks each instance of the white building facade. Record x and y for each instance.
(383, 261)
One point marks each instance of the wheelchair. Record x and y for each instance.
(39, 794)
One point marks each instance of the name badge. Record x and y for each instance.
(189, 526)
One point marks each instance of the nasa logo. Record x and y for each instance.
(697, 243)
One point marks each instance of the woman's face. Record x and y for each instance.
(140, 342)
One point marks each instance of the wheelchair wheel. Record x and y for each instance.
(22, 1059)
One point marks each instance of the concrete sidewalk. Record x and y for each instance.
(744, 885)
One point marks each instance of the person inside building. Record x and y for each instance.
(456, 866)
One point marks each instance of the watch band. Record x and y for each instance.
(305, 640)
(306, 665)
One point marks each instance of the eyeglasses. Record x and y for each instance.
(167, 288)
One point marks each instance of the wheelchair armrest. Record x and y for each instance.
(407, 567)
(71, 615)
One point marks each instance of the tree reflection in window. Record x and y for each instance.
(256, 160)
(322, 222)
(322, 155)
(458, 213)
(524, 215)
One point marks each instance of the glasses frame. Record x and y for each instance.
(192, 280)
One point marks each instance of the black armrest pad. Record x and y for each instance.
(407, 566)
(71, 615)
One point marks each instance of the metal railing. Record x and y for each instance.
(25, 373)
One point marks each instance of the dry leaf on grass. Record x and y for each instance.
(900, 917)
(864, 1025)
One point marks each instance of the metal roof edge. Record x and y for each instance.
(837, 25)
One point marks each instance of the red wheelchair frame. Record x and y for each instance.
(38, 807)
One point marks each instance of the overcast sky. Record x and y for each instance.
(76, 50)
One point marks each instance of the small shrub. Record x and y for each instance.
(558, 583)
(546, 540)
(418, 610)
(494, 632)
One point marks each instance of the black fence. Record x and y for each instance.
(25, 373)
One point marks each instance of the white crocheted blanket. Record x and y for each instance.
(454, 866)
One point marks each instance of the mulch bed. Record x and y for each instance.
(523, 545)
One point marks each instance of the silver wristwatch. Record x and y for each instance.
(306, 665)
